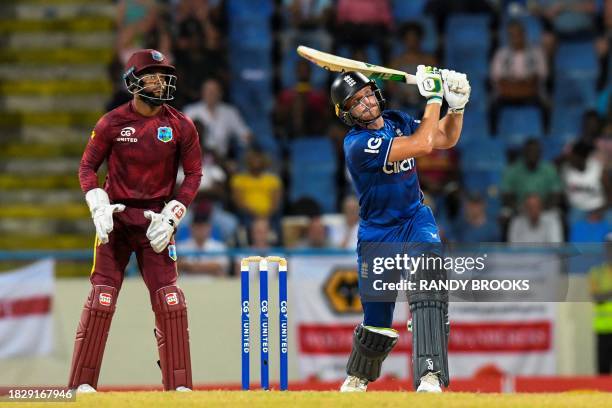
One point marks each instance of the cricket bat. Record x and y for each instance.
(334, 63)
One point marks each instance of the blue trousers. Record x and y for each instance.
(420, 229)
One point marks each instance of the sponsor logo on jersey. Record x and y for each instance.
(399, 166)
(126, 135)
(127, 131)
(164, 133)
(105, 299)
(172, 299)
(373, 145)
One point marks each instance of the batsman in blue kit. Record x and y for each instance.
(381, 150)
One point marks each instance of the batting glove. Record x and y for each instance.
(429, 82)
(164, 224)
(456, 90)
(102, 212)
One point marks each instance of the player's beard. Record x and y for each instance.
(157, 92)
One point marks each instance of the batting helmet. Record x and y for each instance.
(344, 87)
(150, 62)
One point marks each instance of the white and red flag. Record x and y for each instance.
(26, 323)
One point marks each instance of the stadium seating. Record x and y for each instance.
(468, 43)
(313, 171)
(408, 10)
(516, 124)
(566, 122)
(475, 125)
(482, 164)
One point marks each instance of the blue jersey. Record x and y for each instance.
(388, 192)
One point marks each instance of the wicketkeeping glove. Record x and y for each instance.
(429, 82)
(456, 90)
(164, 224)
(102, 212)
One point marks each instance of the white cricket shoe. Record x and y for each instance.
(429, 383)
(354, 384)
(183, 389)
(85, 389)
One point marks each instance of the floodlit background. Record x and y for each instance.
(533, 166)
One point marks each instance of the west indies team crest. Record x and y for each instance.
(164, 133)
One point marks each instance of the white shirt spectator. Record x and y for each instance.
(221, 125)
(212, 173)
(547, 230)
(210, 245)
(344, 236)
(519, 64)
(584, 189)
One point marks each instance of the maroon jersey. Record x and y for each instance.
(143, 155)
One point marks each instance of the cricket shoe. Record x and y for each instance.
(429, 383)
(183, 389)
(85, 389)
(354, 384)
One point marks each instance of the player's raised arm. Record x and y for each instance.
(421, 142)
(457, 93)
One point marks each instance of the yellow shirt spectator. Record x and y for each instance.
(257, 194)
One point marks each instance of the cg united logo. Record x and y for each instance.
(127, 131)
(164, 133)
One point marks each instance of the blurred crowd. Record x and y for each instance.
(545, 188)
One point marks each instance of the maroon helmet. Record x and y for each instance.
(160, 74)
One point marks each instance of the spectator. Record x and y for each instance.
(345, 235)
(582, 176)
(316, 235)
(307, 22)
(440, 175)
(360, 22)
(222, 121)
(213, 192)
(200, 55)
(139, 26)
(530, 174)
(535, 225)
(474, 226)
(201, 240)
(568, 19)
(600, 282)
(603, 154)
(120, 94)
(591, 127)
(592, 228)
(301, 110)
(257, 192)
(441, 9)
(518, 73)
(408, 97)
(260, 236)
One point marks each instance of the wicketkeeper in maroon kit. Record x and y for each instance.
(143, 141)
